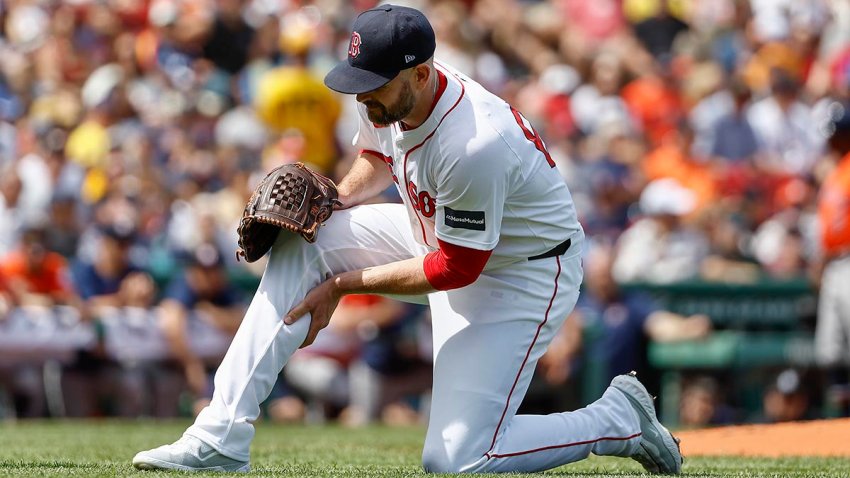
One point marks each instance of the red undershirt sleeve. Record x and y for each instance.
(451, 266)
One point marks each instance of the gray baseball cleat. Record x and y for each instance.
(659, 449)
(187, 454)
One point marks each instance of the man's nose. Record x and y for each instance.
(361, 97)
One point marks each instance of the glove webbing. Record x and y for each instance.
(289, 192)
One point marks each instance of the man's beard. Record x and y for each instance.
(383, 115)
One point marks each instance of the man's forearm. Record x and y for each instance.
(367, 178)
(405, 277)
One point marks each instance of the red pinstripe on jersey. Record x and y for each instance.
(380, 155)
(407, 155)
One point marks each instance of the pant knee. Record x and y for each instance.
(435, 461)
(438, 460)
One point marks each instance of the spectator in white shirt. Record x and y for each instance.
(660, 248)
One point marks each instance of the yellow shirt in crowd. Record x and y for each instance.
(291, 97)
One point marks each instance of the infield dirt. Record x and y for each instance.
(812, 438)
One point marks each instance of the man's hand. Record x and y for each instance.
(404, 277)
(320, 303)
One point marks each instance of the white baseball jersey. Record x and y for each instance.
(476, 174)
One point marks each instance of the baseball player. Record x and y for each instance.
(487, 235)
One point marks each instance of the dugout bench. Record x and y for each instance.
(763, 325)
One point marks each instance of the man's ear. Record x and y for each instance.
(421, 74)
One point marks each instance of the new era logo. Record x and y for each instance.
(409, 58)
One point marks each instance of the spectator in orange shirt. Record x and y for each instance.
(674, 159)
(654, 101)
(35, 275)
(833, 324)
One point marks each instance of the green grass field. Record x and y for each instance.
(104, 448)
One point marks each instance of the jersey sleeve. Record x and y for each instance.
(451, 267)
(471, 194)
(366, 138)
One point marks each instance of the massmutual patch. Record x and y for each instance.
(465, 219)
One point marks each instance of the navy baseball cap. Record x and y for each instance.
(384, 41)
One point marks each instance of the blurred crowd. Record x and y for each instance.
(692, 134)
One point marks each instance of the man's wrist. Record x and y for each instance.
(345, 201)
(344, 196)
(338, 285)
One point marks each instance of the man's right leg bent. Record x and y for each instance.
(260, 348)
(352, 239)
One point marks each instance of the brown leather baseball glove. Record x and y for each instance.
(290, 197)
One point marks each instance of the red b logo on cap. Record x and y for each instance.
(354, 46)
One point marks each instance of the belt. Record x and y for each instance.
(555, 251)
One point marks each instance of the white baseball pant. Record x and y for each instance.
(487, 339)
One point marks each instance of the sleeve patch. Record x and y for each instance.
(473, 220)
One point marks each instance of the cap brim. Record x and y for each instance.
(350, 80)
